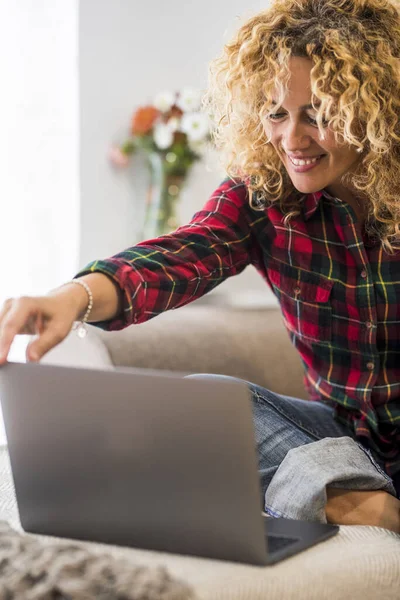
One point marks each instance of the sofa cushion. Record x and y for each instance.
(250, 344)
(88, 352)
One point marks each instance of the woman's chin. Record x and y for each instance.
(305, 188)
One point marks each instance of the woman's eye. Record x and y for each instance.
(314, 122)
(276, 116)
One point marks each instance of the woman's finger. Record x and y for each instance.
(13, 322)
(50, 337)
(5, 308)
(34, 325)
(39, 326)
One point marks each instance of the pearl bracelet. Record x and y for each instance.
(80, 327)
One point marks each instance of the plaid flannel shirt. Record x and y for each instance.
(339, 294)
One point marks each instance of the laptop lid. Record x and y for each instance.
(135, 457)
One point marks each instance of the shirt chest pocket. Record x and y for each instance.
(304, 299)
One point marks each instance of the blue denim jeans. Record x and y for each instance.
(302, 449)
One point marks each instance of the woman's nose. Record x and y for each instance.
(294, 137)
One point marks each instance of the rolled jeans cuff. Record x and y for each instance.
(298, 488)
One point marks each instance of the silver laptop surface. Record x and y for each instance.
(142, 458)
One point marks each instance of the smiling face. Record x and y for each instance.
(294, 134)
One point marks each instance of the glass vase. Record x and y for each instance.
(162, 200)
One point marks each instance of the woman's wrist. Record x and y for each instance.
(76, 297)
(106, 294)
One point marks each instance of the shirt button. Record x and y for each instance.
(369, 324)
(370, 366)
(363, 274)
(297, 291)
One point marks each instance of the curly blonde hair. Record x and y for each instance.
(355, 49)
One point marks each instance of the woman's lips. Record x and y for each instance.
(306, 168)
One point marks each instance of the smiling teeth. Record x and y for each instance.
(301, 163)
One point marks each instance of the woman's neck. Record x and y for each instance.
(358, 202)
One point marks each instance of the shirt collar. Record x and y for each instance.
(310, 203)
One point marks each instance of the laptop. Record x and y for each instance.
(142, 458)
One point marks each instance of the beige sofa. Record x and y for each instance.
(359, 563)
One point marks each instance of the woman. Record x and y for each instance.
(306, 101)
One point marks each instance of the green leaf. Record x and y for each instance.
(128, 147)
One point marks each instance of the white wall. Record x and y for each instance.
(39, 224)
(39, 167)
(129, 51)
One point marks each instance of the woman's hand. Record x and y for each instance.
(50, 318)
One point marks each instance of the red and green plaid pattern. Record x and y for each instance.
(339, 295)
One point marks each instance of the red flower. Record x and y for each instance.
(117, 157)
(143, 120)
(173, 112)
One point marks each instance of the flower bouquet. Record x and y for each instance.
(173, 134)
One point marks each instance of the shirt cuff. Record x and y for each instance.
(132, 292)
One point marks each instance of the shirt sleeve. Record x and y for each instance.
(172, 270)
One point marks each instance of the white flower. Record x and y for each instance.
(164, 101)
(199, 147)
(163, 136)
(195, 125)
(189, 100)
(173, 123)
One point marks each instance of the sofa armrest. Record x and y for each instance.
(250, 344)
